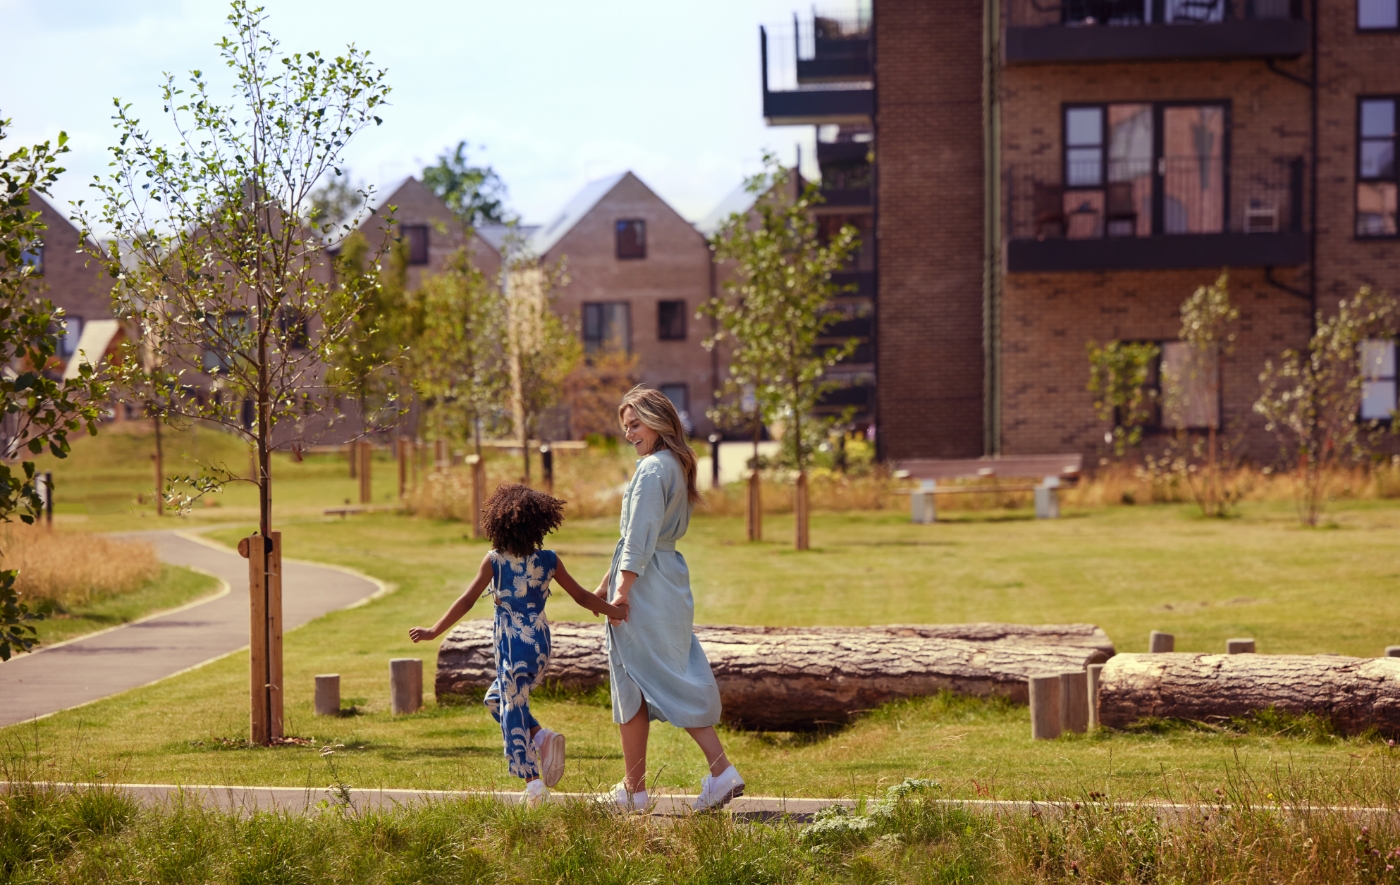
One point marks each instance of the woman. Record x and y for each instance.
(656, 665)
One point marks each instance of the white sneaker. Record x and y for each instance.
(619, 800)
(716, 792)
(550, 745)
(536, 793)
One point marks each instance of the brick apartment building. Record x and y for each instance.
(1051, 174)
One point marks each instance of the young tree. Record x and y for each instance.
(776, 311)
(215, 258)
(370, 360)
(594, 390)
(541, 348)
(1312, 400)
(475, 194)
(37, 410)
(1119, 378)
(457, 359)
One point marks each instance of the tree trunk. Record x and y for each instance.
(1354, 694)
(799, 511)
(160, 469)
(787, 678)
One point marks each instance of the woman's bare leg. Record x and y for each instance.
(634, 749)
(709, 745)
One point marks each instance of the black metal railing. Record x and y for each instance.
(1111, 13)
(1097, 199)
(821, 52)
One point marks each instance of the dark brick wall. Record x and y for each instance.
(930, 230)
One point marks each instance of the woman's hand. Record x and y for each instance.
(626, 613)
(420, 634)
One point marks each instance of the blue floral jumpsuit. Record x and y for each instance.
(520, 587)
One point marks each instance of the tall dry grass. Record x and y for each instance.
(70, 568)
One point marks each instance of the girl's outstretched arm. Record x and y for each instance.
(463, 605)
(588, 600)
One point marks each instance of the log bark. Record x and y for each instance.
(1353, 693)
(785, 678)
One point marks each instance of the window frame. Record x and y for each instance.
(404, 234)
(1395, 28)
(1394, 99)
(1158, 219)
(627, 331)
(1393, 378)
(641, 253)
(662, 332)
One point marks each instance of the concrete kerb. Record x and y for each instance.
(382, 589)
(309, 800)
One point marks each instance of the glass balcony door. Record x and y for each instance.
(1191, 169)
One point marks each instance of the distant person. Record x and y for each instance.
(656, 665)
(518, 572)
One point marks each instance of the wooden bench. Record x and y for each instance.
(1044, 475)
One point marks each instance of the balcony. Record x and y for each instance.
(861, 281)
(1174, 212)
(817, 73)
(1041, 31)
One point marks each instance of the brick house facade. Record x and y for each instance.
(1043, 181)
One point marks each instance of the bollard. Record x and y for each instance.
(405, 685)
(1047, 499)
(328, 694)
(1045, 706)
(714, 460)
(1074, 701)
(1094, 673)
(1160, 643)
(921, 507)
(547, 467)
(1239, 646)
(1392, 651)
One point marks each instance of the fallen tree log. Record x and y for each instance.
(784, 678)
(1354, 694)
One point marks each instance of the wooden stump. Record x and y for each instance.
(785, 678)
(1160, 643)
(405, 685)
(1074, 701)
(1239, 646)
(1044, 692)
(1353, 693)
(328, 695)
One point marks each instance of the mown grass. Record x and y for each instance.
(1246, 836)
(172, 587)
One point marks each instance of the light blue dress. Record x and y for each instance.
(654, 654)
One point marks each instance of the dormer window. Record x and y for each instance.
(631, 238)
(416, 237)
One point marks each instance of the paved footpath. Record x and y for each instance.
(102, 664)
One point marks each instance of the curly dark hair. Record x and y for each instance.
(516, 518)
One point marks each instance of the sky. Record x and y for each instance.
(551, 94)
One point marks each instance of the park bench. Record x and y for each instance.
(1044, 475)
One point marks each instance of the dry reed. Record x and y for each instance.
(70, 568)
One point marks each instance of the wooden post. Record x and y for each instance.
(478, 467)
(714, 460)
(799, 510)
(274, 637)
(328, 695)
(254, 549)
(755, 513)
(48, 499)
(547, 467)
(1045, 706)
(1074, 702)
(352, 454)
(1160, 643)
(366, 472)
(405, 685)
(402, 451)
(1095, 671)
(439, 455)
(1239, 646)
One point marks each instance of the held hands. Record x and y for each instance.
(626, 612)
(420, 634)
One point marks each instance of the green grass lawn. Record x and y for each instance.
(174, 587)
(1129, 569)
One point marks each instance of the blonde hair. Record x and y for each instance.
(658, 413)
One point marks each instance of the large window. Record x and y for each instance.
(294, 329)
(70, 330)
(1378, 379)
(225, 333)
(1376, 181)
(416, 236)
(631, 238)
(607, 326)
(1378, 15)
(670, 320)
(1190, 388)
(1135, 169)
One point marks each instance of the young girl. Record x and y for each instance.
(515, 520)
